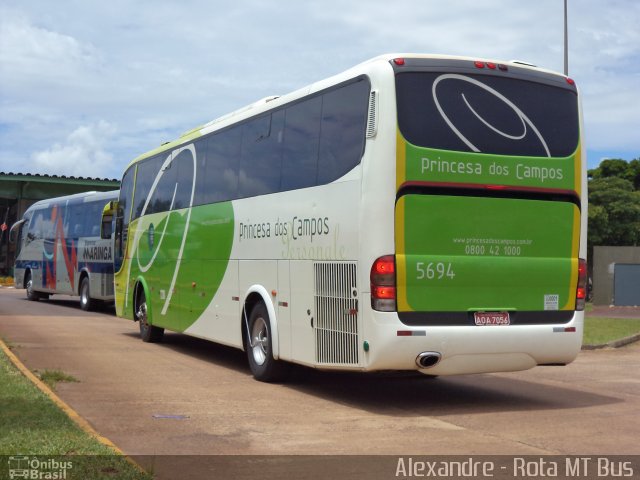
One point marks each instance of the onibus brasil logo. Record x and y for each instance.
(22, 466)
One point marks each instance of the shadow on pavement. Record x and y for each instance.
(405, 393)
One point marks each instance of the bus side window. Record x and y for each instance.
(217, 179)
(162, 199)
(147, 171)
(301, 141)
(344, 121)
(92, 229)
(75, 220)
(184, 167)
(36, 227)
(261, 158)
(62, 219)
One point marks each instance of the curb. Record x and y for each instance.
(614, 344)
(70, 412)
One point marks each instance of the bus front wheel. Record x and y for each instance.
(148, 332)
(259, 347)
(28, 284)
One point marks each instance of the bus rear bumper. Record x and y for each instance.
(470, 349)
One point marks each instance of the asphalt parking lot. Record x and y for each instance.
(191, 397)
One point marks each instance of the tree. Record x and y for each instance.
(634, 173)
(614, 203)
(611, 167)
(615, 167)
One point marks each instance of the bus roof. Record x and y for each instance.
(85, 196)
(270, 102)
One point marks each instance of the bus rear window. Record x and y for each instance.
(487, 114)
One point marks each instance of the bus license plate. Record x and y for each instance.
(491, 318)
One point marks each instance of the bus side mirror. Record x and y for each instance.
(14, 233)
(106, 226)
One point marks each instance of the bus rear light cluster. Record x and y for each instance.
(383, 284)
(581, 291)
(490, 65)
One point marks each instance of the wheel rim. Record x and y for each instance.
(29, 287)
(84, 295)
(259, 341)
(141, 315)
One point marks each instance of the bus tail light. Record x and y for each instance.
(383, 284)
(581, 291)
(490, 65)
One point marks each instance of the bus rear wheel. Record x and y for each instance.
(259, 348)
(86, 303)
(148, 333)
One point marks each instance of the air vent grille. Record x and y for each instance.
(336, 313)
(372, 118)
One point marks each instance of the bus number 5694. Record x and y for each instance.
(435, 271)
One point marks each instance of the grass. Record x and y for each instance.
(598, 331)
(52, 377)
(32, 425)
(6, 281)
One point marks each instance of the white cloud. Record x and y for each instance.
(29, 53)
(83, 154)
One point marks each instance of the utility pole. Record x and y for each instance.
(566, 41)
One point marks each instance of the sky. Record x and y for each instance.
(86, 85)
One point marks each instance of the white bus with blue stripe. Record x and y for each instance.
(61, 249)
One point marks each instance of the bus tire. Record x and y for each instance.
(148, 332)
(28, 284)
(259, 347)
(86, 303)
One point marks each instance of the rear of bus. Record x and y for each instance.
(490, 210)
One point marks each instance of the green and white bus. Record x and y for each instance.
(415, 212)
